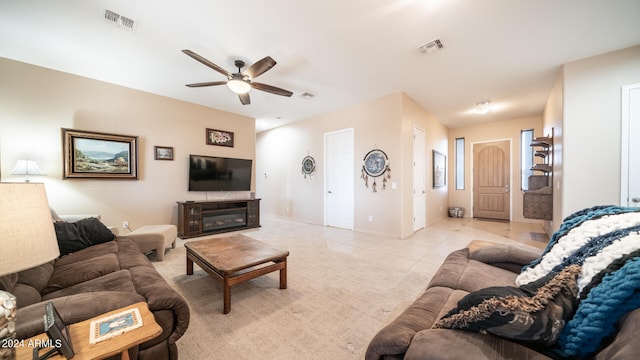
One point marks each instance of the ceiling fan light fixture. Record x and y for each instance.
(238, 85)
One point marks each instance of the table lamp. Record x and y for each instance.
(27, 239)
(26, 167)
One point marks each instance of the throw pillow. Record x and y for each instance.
(81, 234)
(534, 313)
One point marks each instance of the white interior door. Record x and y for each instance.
(419, 187)
(630, 140)
(339, 179)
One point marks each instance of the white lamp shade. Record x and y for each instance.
(27, 234)
(26, 167)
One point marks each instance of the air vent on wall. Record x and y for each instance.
(119, 20)
(431, 46)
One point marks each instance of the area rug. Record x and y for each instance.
(333, 306)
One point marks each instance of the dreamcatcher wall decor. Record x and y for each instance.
(308, 166)
(375, 164)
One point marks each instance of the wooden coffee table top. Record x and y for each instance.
(233, 253)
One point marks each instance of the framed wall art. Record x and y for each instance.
(163, 152)
(88, 154)
(219, 137)
(439, 169)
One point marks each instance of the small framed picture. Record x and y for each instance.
(163, 152)
(219, 137)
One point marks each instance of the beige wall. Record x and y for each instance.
(552, 119)
(591, 128)
(502, 130)
(385, 123)
(35, 103)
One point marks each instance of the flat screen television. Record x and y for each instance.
(209, 173)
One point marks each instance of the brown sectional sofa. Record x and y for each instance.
(411, 335)
(95, 280)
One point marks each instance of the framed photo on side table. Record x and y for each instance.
(57, 332)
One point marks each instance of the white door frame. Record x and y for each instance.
(350, 176)
(625, 140)
(419, 157)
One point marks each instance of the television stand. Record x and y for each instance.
(200, 218)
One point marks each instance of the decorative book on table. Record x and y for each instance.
(113, 325)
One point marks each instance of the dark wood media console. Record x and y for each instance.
(199, 218)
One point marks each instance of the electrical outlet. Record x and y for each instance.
(125, 224)
(370, 218)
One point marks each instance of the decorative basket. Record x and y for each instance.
(456, 212)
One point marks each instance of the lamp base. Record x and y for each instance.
(7, 325)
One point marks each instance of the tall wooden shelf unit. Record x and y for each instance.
(200, 218)
(538, 200)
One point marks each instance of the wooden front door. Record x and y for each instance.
(491, 193)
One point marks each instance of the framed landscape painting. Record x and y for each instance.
(90, 154)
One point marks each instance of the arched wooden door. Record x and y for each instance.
(491, 192)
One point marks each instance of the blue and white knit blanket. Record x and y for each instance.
(605, 242)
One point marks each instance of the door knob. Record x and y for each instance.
(506, 188)
(330, 192)
(635, 200)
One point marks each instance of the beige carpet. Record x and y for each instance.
(334, 304)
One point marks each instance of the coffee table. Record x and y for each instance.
(235, 259)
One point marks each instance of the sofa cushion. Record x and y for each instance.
(535, 313)
(8, 282)
(444, 344)
(37, 277)
(460, 272)
(115, 281)
(80, 271)
(74, 236)
(396, 337)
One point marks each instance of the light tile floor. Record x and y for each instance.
(422, 252)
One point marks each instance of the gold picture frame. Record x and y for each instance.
(95, 155)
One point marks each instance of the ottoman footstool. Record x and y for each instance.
(154, 237)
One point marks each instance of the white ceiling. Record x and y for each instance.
(342, 51)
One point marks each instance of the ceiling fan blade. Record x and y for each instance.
(210, 83)
(207, 62)
(260, 67)
(271, 89)
(244, 99)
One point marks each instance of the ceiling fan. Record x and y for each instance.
(240, 82)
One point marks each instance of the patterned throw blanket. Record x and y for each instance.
(605, 242)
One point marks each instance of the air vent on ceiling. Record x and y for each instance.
(431, 46)
(119, 20)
